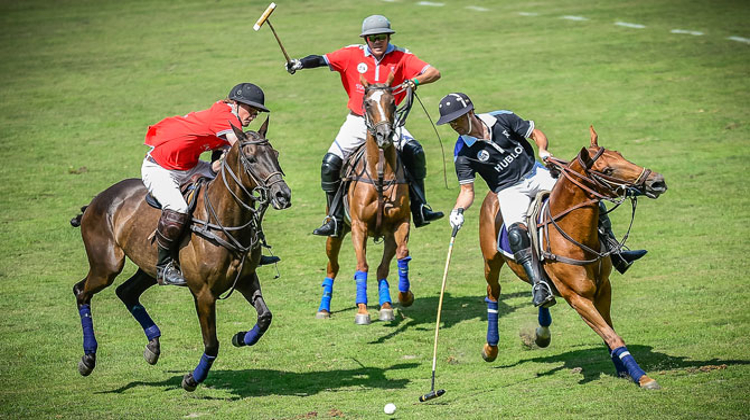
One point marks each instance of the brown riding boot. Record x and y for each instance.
(168, 233)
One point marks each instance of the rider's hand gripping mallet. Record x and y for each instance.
(434, 394)
(264, 19)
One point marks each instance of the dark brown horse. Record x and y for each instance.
(221, 252)
(378, 199)
(573, 259)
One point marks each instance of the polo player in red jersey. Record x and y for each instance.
(374, 60)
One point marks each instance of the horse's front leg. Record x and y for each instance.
(384, 292)
(401, 236)
(205, 305)
(251, 290)
(333, 247)
(129, 293)
(359, 239)
(493, 262)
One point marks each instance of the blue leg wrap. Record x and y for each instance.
(201, 371)
(631, 365)
(325, 301)
(361, 278)
(622, 371)
(252, 336)
(89, 341)
(545, 319)
(492, 335)
(403, 274)
(384, 291)
(148, 325)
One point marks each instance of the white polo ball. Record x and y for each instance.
(389, 408)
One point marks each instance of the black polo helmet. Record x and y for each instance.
(250, 94)
(454, 105)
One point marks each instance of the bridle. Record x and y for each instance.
(372, 127)
(598, 186)
(258, 200)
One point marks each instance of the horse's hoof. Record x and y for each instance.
(386, 315)
(543, 337)
(406, 299)
(489, 353)
(152, 351)
(239, 339)
(188, 383)
(647, 383)
(362, 319)
(87, 364)
(323, 315)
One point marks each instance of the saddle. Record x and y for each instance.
(189, 190)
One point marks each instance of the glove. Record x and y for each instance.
(456, 218)
(544, 155)
(293, 65)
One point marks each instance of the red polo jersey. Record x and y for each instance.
(177, 142)
(354, 60)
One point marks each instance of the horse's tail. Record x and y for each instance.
(76, 221)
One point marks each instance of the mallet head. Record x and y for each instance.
(264, 17)
(432, 394)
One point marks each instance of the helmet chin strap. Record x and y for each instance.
(469, 118)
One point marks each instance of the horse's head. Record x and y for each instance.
(616, 176)
(260, 161)
(380, 111)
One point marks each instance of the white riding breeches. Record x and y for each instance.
(515, 200)
(353, 133)
(164, 184)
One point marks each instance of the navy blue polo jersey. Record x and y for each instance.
(502, 163)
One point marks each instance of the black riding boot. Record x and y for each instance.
(412, 154)
(623, 259)
(168, 233)
(268, 260)
(330, 181)
(518, 236)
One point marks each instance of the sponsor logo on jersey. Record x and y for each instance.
(483, 156)
(507, 160)
(362, 68)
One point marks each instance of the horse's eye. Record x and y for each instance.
(608, 171)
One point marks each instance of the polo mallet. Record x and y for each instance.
(434, 394)
(264, 19)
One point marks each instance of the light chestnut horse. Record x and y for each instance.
(220, 254)
(573, 259)
(378, 198)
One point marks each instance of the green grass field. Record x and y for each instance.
(81, 81)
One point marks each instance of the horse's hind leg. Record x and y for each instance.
(596, 320)
(251, 290)
(129, 292)
(384, 292)
(333, 247)
(205, 305)
(105, 263)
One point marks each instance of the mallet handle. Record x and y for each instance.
(440, 304)
(288, 60)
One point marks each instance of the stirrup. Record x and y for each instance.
(325, 229)
(170, 275)
(549, 300)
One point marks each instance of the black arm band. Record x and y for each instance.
(313, 61)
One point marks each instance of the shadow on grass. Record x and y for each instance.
(423, 313)
(262, 382)
(596, 361)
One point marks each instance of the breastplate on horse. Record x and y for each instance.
(219, 254)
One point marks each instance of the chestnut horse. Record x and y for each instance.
(221, 252)
(570, 242)
(378, 198)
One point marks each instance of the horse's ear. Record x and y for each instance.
(363, 81)
(390, 78)
(264, 128)
(585, 158)
(238, 132)
(594, 137)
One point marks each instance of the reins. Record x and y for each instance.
(259, 201)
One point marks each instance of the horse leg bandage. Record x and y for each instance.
(492, 335)
(361, 278)
(252, 336)
(89, 341)
(545, 319)
(629, 362)
(325, 301)
(201, 371)
(622, 371)
(384, 292)
(148, 325)
(403, 274)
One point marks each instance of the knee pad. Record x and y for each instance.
(518, 237)
(330, 172)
